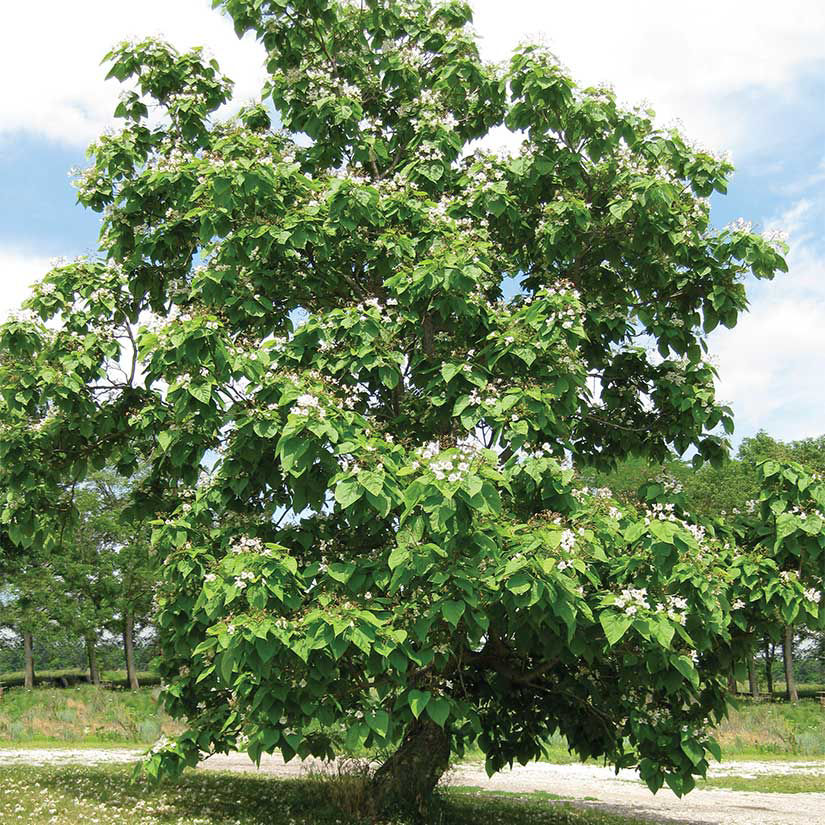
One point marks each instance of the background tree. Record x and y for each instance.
(388, 549)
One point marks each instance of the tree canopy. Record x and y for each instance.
(356, 349)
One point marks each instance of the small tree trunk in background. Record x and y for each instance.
(28, 654)
(787, 655)
(91, 654)
(753, 682)
(129, 649)
(732, 683)
(406, 781)
(769, 666)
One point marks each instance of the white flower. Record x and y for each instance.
(813, 595)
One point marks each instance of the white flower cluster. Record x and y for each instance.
(662, 512)
(740, 225)
(476, 398)
(306, 405)
(777, 238)
(737, 605)
(247, 545)
(631, 599)
(568, 541)
(160, 744)
(813, 595)
(675, 607)
(803, 514)
(450, 468)
(22, 316)
(243, 579)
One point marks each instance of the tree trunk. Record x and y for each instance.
(732, 687)
(406, 781)
(753, 682)
(787, 655)
(769, 666)
(28, 653)
(129, 649)
(91, 654)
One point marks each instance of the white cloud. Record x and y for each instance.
(710, 63)
(769, 364)
(50, 55)
(19, 269)
(707, 63)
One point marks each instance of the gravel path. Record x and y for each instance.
(587, 786)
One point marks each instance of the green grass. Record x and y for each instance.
(70, 795)
(85, 716)
(81, 716)
(774, 730)
(773, 783)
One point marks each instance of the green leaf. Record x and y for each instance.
(398, 556)
(347, 492)
(341, 571)
(438, 709)
(615, 625)
(371, 481)
(379, 721)
(449, 371)
(227, 666)
(693, 750)
(418, 700)
(519, 583)
(203, 392)
(453, 611)
(686, 668)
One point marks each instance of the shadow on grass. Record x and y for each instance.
(231, 798)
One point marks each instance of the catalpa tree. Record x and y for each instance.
(358, 432)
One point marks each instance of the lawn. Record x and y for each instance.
(107, 796)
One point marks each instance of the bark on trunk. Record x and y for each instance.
(129, 649)
(28, 654)
(769, 667)
(406, 781)
(91, 654)
(732, 687)
(787, 654)
(753, 682)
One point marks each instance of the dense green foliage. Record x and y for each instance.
(104, 570)
(387, 542)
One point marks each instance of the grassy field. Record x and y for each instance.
(83, 715)
(769, 783)
(87, 716)
(70, 795)
(774, 730)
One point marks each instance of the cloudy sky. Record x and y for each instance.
(745, 77)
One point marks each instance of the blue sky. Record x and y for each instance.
(748, 78)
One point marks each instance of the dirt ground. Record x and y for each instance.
(585, 785)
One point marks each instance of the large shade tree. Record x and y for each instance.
(387, 549)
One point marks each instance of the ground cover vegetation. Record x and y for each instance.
(355, 442)
(68, 795)
(82, 716)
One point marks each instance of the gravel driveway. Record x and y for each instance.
(586, 785)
